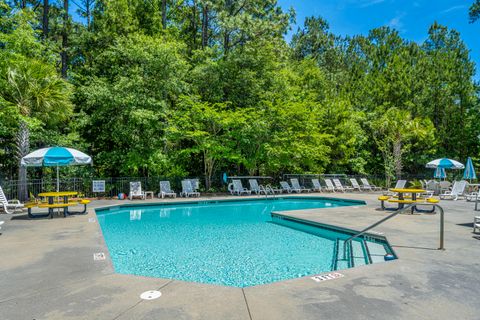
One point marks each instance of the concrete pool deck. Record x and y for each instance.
(47, 271)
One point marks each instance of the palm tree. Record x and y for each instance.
(39, 94)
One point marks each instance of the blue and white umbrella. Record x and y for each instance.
(445, 163)
(469, 172)
(56, 157)
(440, 173)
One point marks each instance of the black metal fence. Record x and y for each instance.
(116, 185)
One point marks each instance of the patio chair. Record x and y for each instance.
(399, 185)
(368, 186)
(458, 190)
(476, 223)
(340, 187)
(2, 222)
(136, 190)
(237, 188)
(316, 185)
(9, 204)
(166, 190)
(297, 187)
(187, 189)
(285, 187)
(444, 186)
(329, 185)
(355, 184)
(259, 189)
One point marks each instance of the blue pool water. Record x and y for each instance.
(230, 243)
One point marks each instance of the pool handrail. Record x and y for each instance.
(395, 213)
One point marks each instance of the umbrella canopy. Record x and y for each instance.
(469, 172)
(440, 173)
(445, 163)
(56, 157)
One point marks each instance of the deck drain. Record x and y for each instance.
(328, 276)
(151, 295)
(91, 219)
(99, 256)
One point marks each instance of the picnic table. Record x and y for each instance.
(57, 200)
(408, 196)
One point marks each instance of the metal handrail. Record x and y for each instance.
(442, 223)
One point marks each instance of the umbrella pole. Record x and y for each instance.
(58, 181)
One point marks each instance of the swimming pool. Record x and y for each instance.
(235, 243)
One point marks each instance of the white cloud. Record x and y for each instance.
(396, 22)
(368, 3)
(454, 8)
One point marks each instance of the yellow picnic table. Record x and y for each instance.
(408, 196)
(53, 202)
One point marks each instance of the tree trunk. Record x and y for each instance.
(88, 13)
(23, 4)
(63, 54)
(164, 14)
(204, 26)
(194, 25)
(45, 19)
(23, 146)
(397, 158)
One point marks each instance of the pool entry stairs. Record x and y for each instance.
(349, 254)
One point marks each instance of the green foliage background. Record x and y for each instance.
(214, 87)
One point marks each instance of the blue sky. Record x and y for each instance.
(411, 18)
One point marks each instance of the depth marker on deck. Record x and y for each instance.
(99, 256)
(328, 276)
(91, 219)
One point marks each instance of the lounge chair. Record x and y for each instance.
(187, 189)
(297, 187)
(458, 190)
(476, 223)
(166, 190)
(368, 186)
(355, 184)
(259, 189)
(2, 222)
(285, 187)
(316, 185)
(9, 204)
(136, 190)
(329, 185)
(399, 185)
(340, 187)
(237, 188)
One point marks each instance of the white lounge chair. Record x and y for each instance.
(136, 190)
(368, 186)
(476, 223)
(329, 185)
(340, 187)
(238, 189)
(297, 187)
(355, 184)
(259, 189)
(9, 204)
(2, 222)
(166, 190)
(285, 187)
(187, 189)
(399, 185)
(316, 185)
(458, 190)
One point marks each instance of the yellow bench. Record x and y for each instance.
(57, 205)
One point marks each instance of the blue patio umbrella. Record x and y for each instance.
(469, 172)
(440, 173)
(445, 163)
(55, 157)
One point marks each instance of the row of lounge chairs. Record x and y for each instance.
(331, 185)
(189, 189)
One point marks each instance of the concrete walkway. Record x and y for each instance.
(47, 271)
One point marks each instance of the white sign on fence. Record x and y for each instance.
(98, 186)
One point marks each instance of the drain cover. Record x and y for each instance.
(151, 295)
